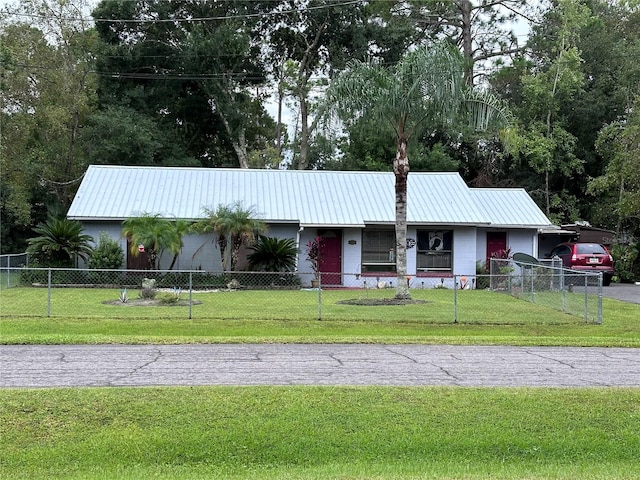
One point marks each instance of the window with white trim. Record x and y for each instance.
(378, 250)
(435, 251)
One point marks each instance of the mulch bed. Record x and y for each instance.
(372, 302)
(150, 302)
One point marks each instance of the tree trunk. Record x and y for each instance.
(279, 121)
(305, 134)
(238, 142)
(467, 41)
(401, 171)
(241, 148)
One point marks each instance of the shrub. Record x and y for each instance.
(168, 298)
(59, 242)
(107, 255)
(272, 254)
(627, 265)
(482, 275)
(264, 280)
(29, 277)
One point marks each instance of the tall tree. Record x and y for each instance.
(619, 186)
(609, 47)
(545, 144)
(482, 30)
(193, 67)
(47, 91)
(424, 89)
(314, 42)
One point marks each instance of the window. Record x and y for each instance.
(378, 250)
(435, 250)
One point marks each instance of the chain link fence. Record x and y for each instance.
(8, 263)
(547, 283)
(479, 299)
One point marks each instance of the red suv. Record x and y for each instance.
(586, 257)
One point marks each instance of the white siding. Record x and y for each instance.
(481, 245)
(464, 251)
(351, 254)
(524, 241)
(200, 252)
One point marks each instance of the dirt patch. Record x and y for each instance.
(150, 302)
(373, 302)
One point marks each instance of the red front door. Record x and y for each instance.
(496, 244)
(331, 257)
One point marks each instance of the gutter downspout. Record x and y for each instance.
(298, 245)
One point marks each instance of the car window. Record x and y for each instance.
(559, 251)
(590, 249)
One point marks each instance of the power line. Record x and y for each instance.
(196, 19)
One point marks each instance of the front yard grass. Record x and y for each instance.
(319, 433)
(309, 433)
(81, 316)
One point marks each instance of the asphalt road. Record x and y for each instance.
(293, 364)
(627, 292)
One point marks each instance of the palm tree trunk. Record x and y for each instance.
(401, 170)
(222, 245)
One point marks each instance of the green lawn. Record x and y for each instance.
(81, 316)
(319, 433)
(472, 306)
(383, 433)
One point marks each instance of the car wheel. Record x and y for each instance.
(606, 280)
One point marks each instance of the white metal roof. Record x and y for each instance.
(308, 198)
(510, 207)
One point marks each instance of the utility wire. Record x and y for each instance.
(197, 19)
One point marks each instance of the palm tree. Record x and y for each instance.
(234, 226)
(157, 234)
(271, 254)
(59, 242)
(180, 229)
(425, 89)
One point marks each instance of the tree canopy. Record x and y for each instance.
(239, 83)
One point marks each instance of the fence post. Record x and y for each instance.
(586, 298)
(455, 299)
(320, 296)
(563, 290)
(599, 317)
(190, 294)
(49, 292)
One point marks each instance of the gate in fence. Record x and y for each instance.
(548, 283)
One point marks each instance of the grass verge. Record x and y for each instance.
(319, 433)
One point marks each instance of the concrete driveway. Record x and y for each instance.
(295, 364)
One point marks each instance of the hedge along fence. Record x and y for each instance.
(283, 296)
